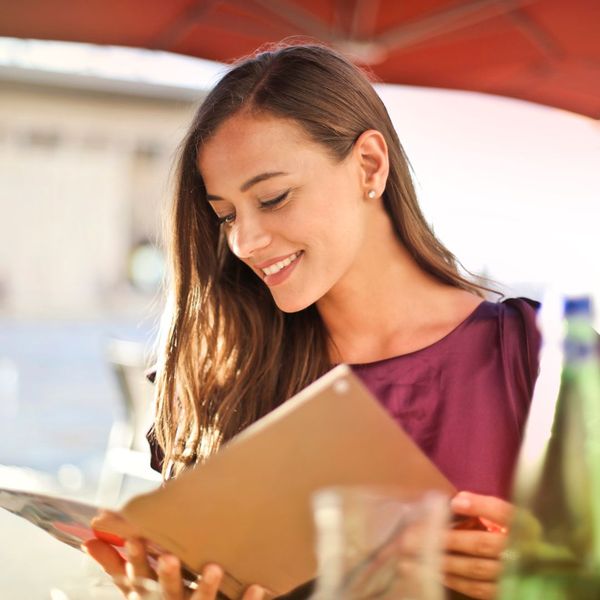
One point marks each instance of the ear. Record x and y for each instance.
(371, 153)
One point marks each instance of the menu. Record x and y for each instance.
(248, 508)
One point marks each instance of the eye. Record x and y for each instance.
(274, 201)
(226, 219)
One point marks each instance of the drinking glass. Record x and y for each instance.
(375, 542)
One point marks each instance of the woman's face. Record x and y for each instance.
(289, 211)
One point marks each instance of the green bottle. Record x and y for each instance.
(554, 543)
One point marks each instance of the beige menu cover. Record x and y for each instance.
(248, 508)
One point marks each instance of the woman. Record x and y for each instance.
(297, 243)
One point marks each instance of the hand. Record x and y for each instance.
(472, 564)
(168, 571)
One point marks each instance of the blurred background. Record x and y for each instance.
(88, 138)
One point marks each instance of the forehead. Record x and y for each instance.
(245, 145)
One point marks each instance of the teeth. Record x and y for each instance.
(275, 268)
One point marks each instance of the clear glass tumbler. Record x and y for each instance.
(375, 542)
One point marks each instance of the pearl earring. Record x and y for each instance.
(371, 194)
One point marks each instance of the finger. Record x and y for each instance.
(489, 507)
(480, 569)
(254, 592)
(169, 577)
(106, 555)
(108, 558)
(208, 583)
(476, 543)
(138, 559)
(469, 587)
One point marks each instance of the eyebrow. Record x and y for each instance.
(251, 182)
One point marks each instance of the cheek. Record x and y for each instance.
(229, 238)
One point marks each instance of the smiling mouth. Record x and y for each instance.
(282, 264)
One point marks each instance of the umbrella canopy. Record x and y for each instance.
(546, 51)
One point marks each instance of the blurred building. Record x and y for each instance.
(84, 171)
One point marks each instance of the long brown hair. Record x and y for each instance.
(228, 354)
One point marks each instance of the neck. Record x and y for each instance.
(386, 302)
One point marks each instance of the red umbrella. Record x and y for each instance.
(546, 51)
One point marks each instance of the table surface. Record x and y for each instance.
(32, 562)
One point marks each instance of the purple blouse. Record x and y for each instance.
(464, 399)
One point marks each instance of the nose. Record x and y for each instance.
(247, 236)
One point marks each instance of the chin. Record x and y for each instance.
(292, 304)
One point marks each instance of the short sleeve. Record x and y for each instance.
(521, 340)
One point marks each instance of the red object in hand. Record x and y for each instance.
(110, 538)
(468, 523)
(478, 524)
(494, 527)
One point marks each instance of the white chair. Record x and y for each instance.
(128, 453)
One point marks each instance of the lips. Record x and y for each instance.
(276, 271)
(274, 265)
(281, 264)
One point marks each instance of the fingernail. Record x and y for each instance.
(211, 574)
(256, 592)
(166, 564)
(461, 501)
(132, 548)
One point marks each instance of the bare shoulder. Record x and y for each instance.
(436, 316)
(462, 303)
(447, 311)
